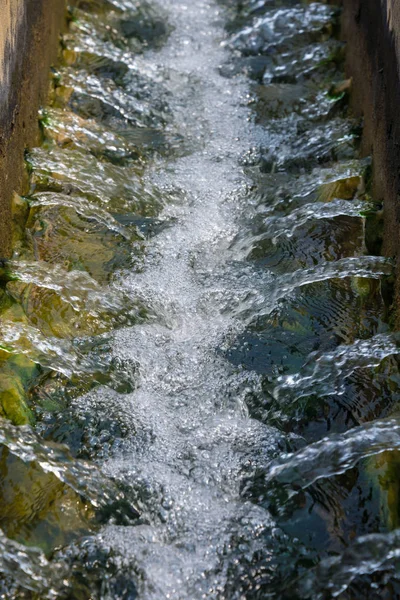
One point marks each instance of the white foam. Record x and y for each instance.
(189, 406)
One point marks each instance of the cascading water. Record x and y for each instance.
(196, 352)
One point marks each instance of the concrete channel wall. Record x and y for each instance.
(29, 34)
(371, 29)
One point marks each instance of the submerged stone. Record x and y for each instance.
(69, 130)
(17, 375)
(75, 172)
(338, 90)
(383, 471)
(13, 399)
(61, 236)
(53, 316)
(345, 189)
(37, 508)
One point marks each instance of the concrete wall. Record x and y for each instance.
(371, 29)
(11, 15)
(29, 34)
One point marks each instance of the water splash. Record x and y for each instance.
(326, 374)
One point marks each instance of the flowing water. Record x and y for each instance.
(199, 380)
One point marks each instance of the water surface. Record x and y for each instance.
(197, 351)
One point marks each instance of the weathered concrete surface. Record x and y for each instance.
(29, 33)
(371, 29)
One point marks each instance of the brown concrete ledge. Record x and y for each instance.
(29, 33)
(371, 29)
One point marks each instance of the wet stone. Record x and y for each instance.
(62, 236)
(53, 316)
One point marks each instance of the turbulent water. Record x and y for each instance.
(197, 359)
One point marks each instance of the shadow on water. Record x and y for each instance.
(199, 382)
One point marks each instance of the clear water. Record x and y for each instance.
(196, 346)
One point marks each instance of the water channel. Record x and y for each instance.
(199, 375)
